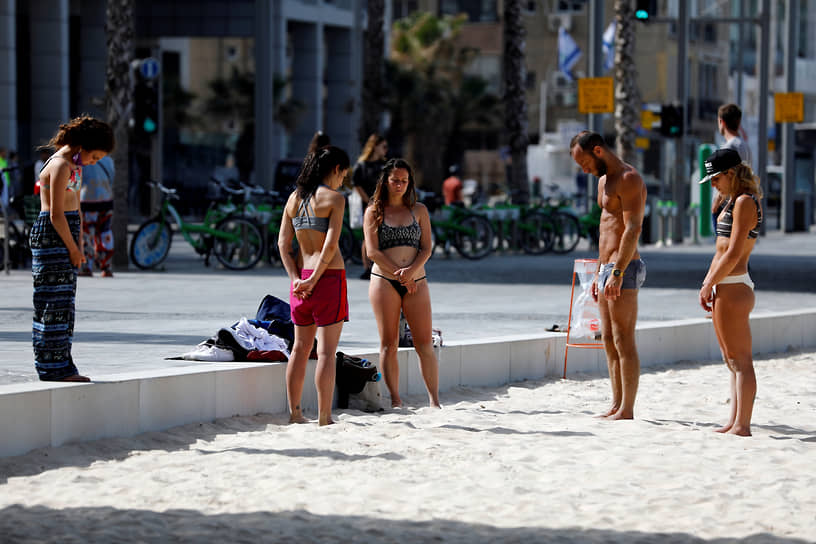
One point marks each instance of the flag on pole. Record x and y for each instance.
(608, 42)
(568, 52)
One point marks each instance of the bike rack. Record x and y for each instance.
(581, 268)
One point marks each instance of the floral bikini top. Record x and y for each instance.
(408, 235)
(73, 182)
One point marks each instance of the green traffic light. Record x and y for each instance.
(641, 14)
(149, 125)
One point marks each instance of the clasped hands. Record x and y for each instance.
(405, 277)
(302, 289)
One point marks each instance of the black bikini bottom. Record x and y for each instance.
(398, 287)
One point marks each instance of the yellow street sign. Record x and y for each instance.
(642, 143)
(596, 95)
(648, 118)
(789, 107)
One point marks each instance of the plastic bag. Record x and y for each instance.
(586, 317)
(355, 210)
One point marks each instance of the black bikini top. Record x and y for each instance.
(408, 235)
(726, 220)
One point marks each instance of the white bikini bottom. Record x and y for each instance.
(740, 278)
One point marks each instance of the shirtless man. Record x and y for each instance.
(622, 195)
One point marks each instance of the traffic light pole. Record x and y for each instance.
(679, 195)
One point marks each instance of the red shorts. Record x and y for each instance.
(328, 303)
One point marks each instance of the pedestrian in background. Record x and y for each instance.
(727, 290)
(729, 125)
(56, 244)
(96, 198)
(398, 236)
(364, 177)
(317, 297)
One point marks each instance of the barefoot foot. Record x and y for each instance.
(740, 431)
(725, 428)
(621, 414)
(608, 412)
(297, 418)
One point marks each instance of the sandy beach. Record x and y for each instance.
(525, 462)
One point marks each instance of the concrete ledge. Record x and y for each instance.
(34, 415)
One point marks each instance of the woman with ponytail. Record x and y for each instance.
(728, 291)
(56, 244)
(317, 297)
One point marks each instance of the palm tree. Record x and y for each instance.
(425, 78)
(627, 96)
(515, 99)
(373, 54)
(118, 101)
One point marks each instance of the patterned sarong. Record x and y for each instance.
(55, 281)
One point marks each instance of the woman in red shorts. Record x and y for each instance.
(314, 215)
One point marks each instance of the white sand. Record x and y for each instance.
(526, 462)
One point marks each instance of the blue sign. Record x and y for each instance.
(149, 68)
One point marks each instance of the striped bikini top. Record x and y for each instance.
(306, 218)
(408, 235)
(726, 219)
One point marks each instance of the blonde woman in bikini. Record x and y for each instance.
(398, 240)
(727, 290)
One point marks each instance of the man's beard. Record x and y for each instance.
(600, 166)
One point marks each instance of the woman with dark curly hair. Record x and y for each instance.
(56, 244)
(727, 290)
(398, 241)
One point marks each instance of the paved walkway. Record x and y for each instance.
(137, 319)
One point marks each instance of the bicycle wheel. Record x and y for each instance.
(238, 243)
(151, 244)
(537, 233)
(567, 232)
(474, 237)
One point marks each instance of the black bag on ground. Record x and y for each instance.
(353, 373)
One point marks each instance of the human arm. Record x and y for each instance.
(285, 237)
(407, 274)
(59, 176)
(632, 194)
(373, 251)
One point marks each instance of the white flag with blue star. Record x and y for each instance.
(568, 52)
(608, 42)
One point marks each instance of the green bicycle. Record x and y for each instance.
(236, 241)
(470, 234)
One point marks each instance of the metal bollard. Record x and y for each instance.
(694, 213)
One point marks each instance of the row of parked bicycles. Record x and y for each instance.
(241, 226)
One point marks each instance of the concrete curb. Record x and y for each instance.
(35, 415)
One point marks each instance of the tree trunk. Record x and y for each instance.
(515, 99)
(373, 66)
(118, 93)
(627, 96)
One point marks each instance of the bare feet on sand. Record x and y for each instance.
(297, 418)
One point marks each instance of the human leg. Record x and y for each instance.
(385, 303)
(623, 316)
(417, 310)
(88, 241)
(104, 240)
(612, 358)
(55, 283)
(327, 339)
(732, 377)
(296, 370)
(732, 306)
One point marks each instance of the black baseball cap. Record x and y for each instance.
(720, 161)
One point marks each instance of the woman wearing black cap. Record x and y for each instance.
(727, 290)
